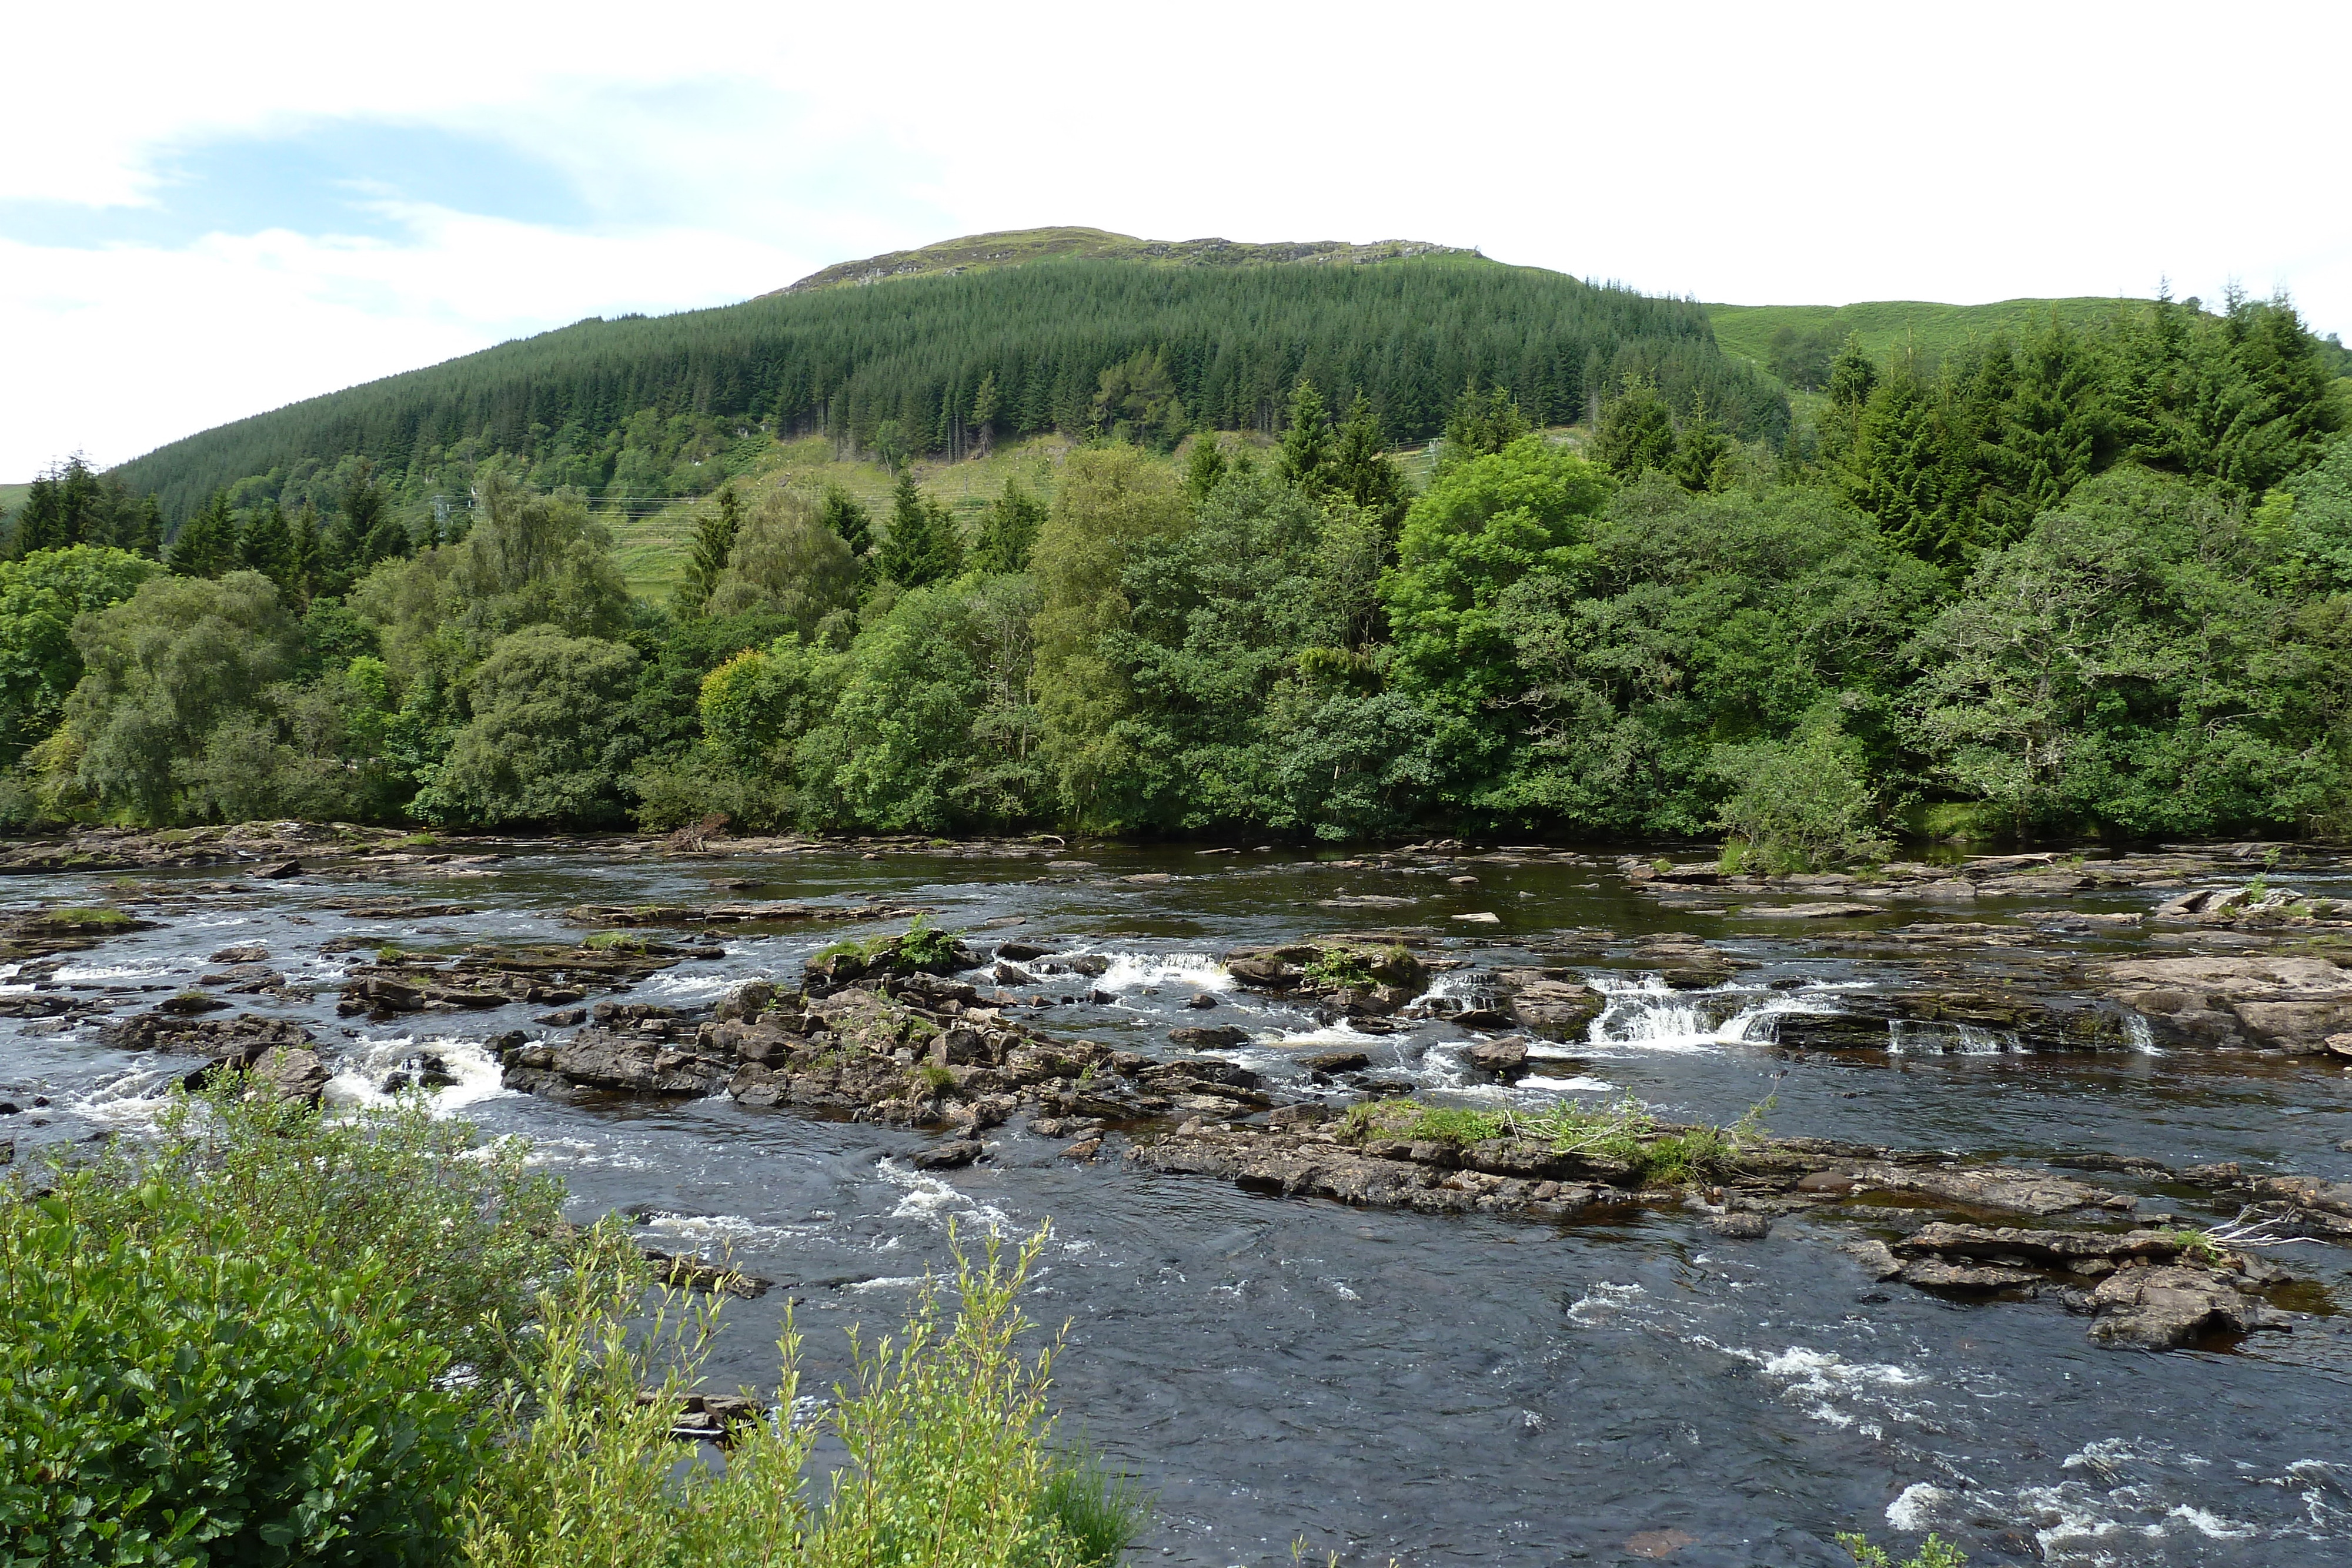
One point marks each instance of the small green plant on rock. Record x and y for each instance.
(934, 1078)
(1933, 1552)
(924, 945)
(615, 941)
(1340, 968)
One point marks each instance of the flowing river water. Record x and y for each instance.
(1385, 1384)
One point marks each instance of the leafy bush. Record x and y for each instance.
(1802, 804)
(1933, 1552)
(924, 945)
(946, 1428)
(236, 1342)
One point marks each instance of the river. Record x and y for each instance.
(1380, 1384)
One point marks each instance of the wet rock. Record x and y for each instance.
(1740, 1227)
(1877, 1259)
(1011, 975)
(1556, 1009)
(246, 978)
(189, 1003)
(1821, 911)
(1084, 1149)
(1200, 999)
(1020, 952)
(692, 1271)
(1334, 1061)
(1223, 1037)
(279, 872)
(1835, 1184)
(701, 915)
(246, 952)
(1997, 1188)
(632, 1064)
(1935, 1274)
(2056, 1248)
(1307, 1113)
(2163, 1307)
(948, 1155)
(1503, 1058)
(566, 1018)
(746, 1001)
(2290, 1003)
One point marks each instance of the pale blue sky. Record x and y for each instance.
(220, 210)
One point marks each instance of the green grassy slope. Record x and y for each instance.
(1014, 247)
(1885, 325)
(11, 497)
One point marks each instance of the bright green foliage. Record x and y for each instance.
(1691, 623)
(2124, 663)
(167, 1402)
(1479, 529)
(542, 747)
(1203, 466)
(1702, 458)
(1008, 530)
(1108, 502)
(923, 545)
(785, 561)
(224, 1345)
(165, 669)
(1933, 1552)
(40, 595)
(1136, 401)
(1802, 804)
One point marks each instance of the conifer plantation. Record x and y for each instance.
(2094, 577)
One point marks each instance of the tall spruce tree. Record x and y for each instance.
(922, 545)
(1360, 467)
(1704, 456)
(266, 545)
(1008, 530)
(1205, 465)
(714, 544)
(848, 520)
(1637, 431)
(1305, 440)
(205, 545)
(1481, 423)
(305, 561)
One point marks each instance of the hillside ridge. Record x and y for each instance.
(1015, 247)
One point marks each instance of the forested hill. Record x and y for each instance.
(1086, 345)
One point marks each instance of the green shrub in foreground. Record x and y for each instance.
(171, 1392)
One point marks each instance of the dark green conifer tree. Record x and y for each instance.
(1205, 465)
(1637, 431)
(1704, 456)
(1008, 530)
(266, 545)
(139, 527)
(305, 562)
(1481, 423)
(205, 545)
(1305, 440)
(922, 545)
(1360, 466)
(847, 519)
(714, 544)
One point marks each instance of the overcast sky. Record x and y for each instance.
(210, 211)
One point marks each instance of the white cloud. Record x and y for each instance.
(1801, 152)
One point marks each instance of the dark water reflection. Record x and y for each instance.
(1392, 1385)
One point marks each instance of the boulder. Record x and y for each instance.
(2163, 1307)
(1221, 1037)
(1740, 1227)
(1557, 1009)
(2286, 1002)
(949, 1155)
